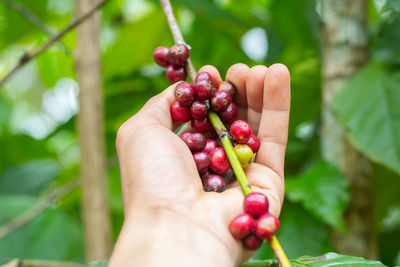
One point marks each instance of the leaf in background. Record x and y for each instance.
(323, 191)
(368, 107)
(386, 46)
(52, 235)
(300, 234)
(328, 259)
(5, 111)
(29, 178)
(135, 44)
(334, 259)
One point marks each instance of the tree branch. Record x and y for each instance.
(38, 208)
(28, 56)
(32, 18)
(177, 35)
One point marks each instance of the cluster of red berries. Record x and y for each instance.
(211, 160)
(193, 101)
(173, 60)
(255, 224)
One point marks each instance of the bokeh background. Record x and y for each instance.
(39, 151)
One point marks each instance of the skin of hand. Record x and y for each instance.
(169, 219)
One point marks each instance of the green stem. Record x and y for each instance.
(223, 135)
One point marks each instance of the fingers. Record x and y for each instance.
(237, 75)
(274, 122)
(254, 91)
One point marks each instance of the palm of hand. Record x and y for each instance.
(158, 171)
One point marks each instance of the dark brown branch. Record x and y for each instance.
(38, 208)
(177, 35)
(28, 56)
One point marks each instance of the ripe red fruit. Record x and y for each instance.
(161, 56)
(254, 143)
(229, 114)
(210, 144)
(184, 93)
(201, 126)
(195, 142)
(178, 54)
(252, 242)
(203, 86)
(220, 101)
(241, 131)
(180, 113)
(241, 225)
(219, 162)
(202, 160)
(175, 73)
(266, 226)
(214, 183)
(203, 76)
(256, 204)
(184, 135)
(198, 110)
(227, 87)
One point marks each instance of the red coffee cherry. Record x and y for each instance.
(210, 145)
(195, 142)
(161, 56)
(214, 183)
(266, 226)
(184, 93)
(175, 73)
(184, 135)
(203, 86)
(180, 113)
(255, 204)
(252, 242)
(178, 54)
(254, 143)
(241, 131)
(241, 225)
(219, 162)
(201, 126)
(227, 87)
(220, 101)
(202, 160)
(199, 110)
(230, 114)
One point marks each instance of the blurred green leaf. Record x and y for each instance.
(387, 42)
(29, 178)
(52, 235)
(368, 109)
(328, 259)
(323, 191)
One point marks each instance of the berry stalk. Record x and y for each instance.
(223, 135)
(221, 130)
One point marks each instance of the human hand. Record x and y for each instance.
(169, 219)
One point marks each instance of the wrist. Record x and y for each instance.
(160, 237)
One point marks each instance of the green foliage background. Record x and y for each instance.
(39, 146)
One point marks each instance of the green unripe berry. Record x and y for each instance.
(244, 154)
